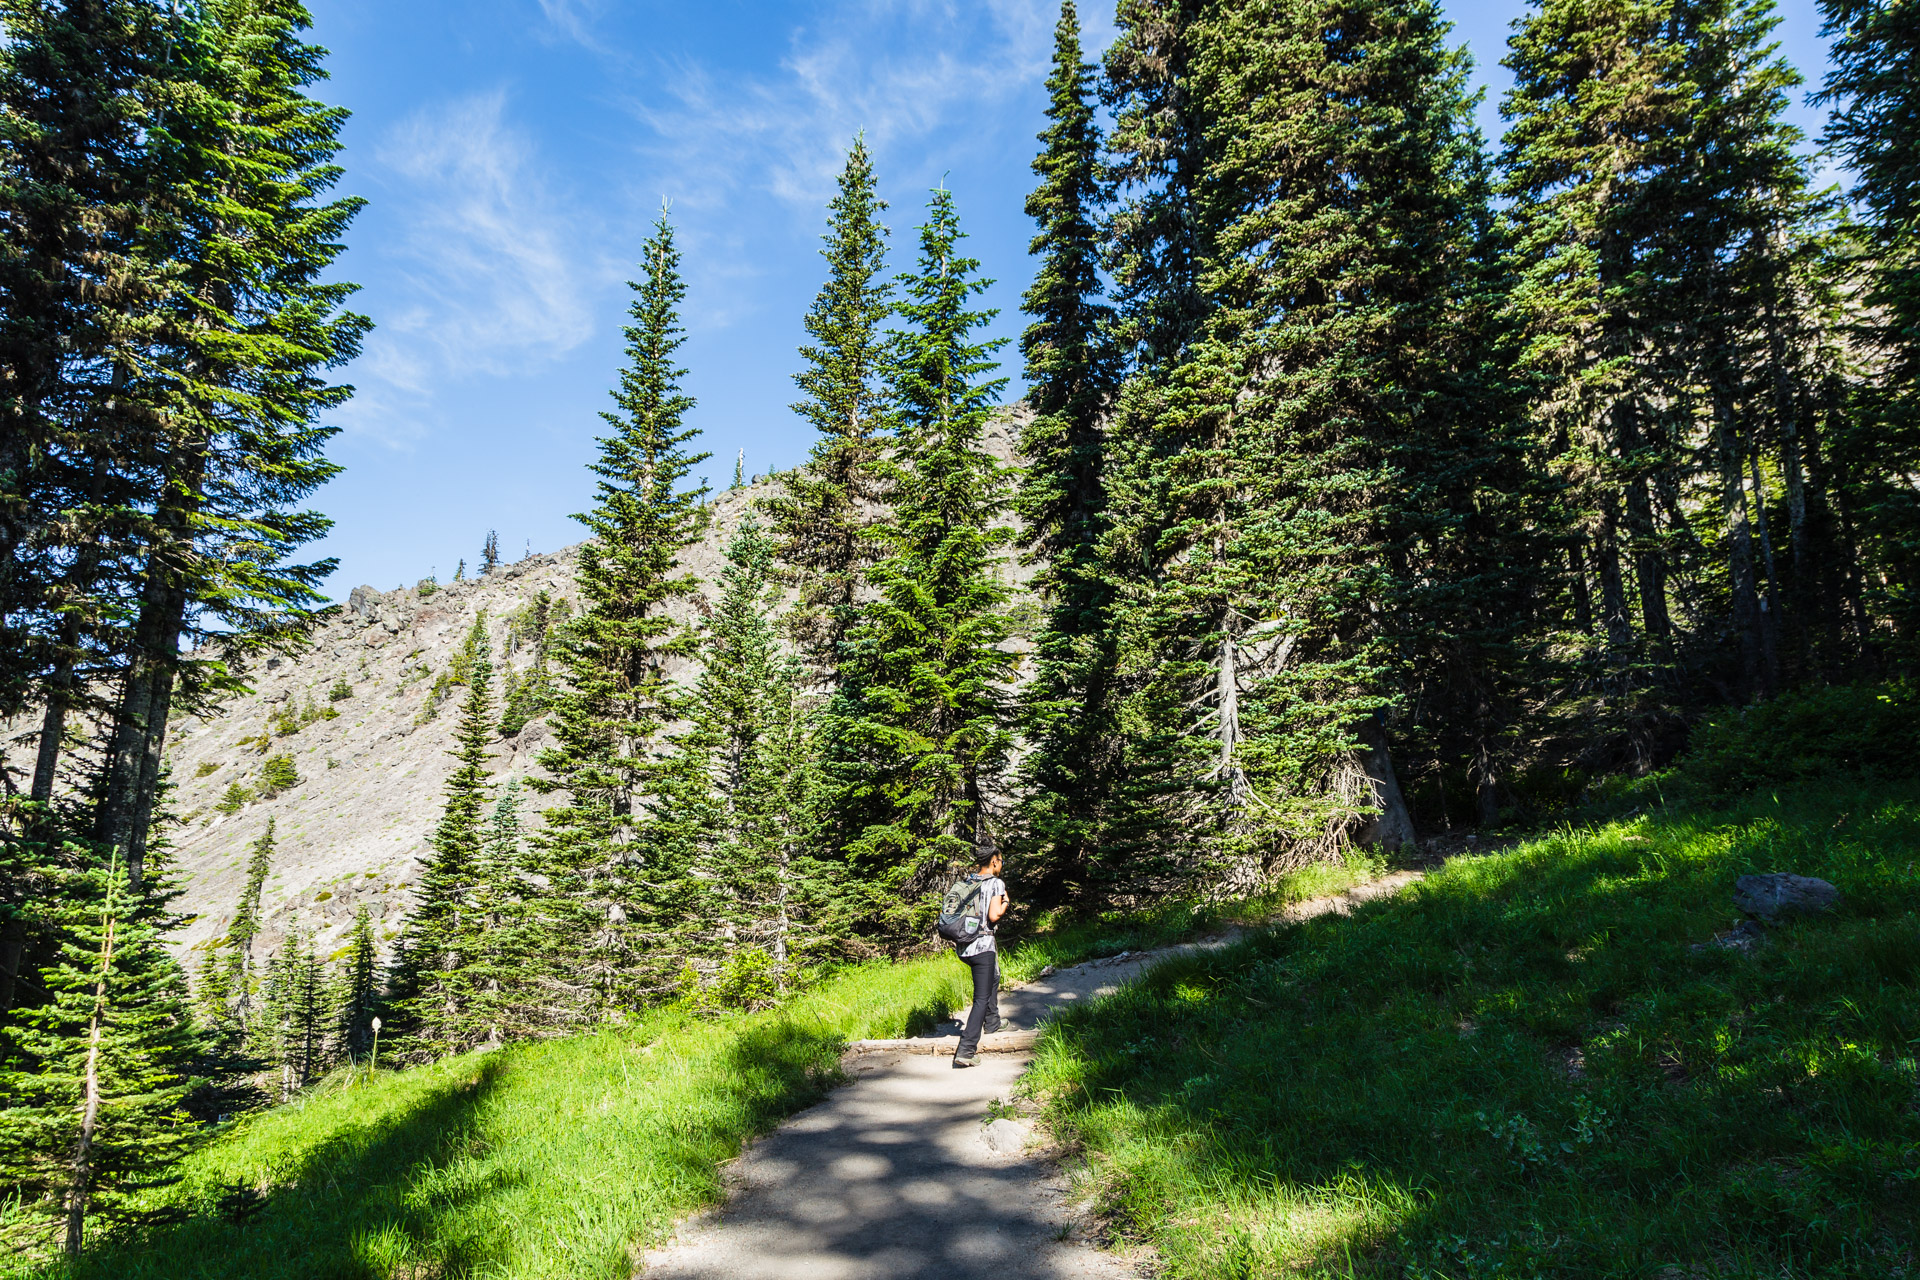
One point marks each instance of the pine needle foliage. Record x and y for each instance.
(99, 1071)
(1069, 710)
(824, 512)
(930, 724)
(624, 904)
(434, 982)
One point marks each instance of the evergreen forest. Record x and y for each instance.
(1374, 484)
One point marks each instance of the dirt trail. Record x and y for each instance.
(892, 1178)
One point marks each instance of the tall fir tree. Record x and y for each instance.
(930, 723)
(239, 348)
(434, 977)
(1875, 109)
(1070, 707)
(100, 1069)
(356, 989)
(824, 511)
(749, 694)
(231, 974)
(624, 907)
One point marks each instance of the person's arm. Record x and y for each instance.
(997, 908)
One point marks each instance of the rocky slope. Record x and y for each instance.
(355, 828)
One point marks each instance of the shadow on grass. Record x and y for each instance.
(1537, 1064)
(346, 1206)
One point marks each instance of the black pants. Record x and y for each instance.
(985, 1014)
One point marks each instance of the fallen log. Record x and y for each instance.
(943, 1046)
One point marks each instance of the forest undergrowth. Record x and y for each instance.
(1542, 1062)
(563, 1160)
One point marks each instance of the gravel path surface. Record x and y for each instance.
(895, 1178)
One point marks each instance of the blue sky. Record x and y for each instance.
(514, 152)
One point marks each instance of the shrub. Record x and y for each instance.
(277, 774)
(341, 691)
(206, 767)
(427, 586)
(1804, 734)
(284, 723)
(238, 794)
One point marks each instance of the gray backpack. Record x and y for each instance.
(963, 916)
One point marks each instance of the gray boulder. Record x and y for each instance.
(1778, 894)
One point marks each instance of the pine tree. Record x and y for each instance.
(433, 974)
(1658, 204)
(1070, 707)
(298, 1013)
(233, 957)
(357, 992)
(930, 723)
(1157, 238)
(823, 515)
(1326, 492)
(748, 697)
(624, 907)
(529, 696)
(100, 1070)
(1871, 89)
(490, 554)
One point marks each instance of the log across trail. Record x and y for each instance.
(897, 1177)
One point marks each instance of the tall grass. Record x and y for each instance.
(564, 1159)
(1529, 1065)
(555, 1160)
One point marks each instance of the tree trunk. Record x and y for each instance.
(80, 1182)
(1733, 503)
(1769, 603)
(1392, 826)
(1613, 595)
(1577, 580)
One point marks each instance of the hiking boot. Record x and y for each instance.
(991, 1027)
(959, 1062)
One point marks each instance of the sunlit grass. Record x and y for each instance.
(1527, 1065)
(568, 1158)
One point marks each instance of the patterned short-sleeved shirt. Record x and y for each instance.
(990, 888)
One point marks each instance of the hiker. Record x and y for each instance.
(973, 906)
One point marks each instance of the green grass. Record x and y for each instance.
(1524, 1066)
(561, 1159)
(564, 1159)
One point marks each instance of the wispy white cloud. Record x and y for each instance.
(489, 252)
(490, 270)
(902, 70)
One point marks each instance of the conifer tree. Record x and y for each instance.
(244, 336)
(298, 1013)
(748, 695)
(1327, 487)
(1657, 201)
(101, 1068)
(1157, 238)
(529, 696)
(624, 907)
(930, 723)
(1872, 90)
(357, 992)
(434, 977)
(490, 554)
(238, 973)
(823, 515)
(1070, 707)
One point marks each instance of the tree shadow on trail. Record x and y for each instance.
(348, 1207)
(1543, 1063)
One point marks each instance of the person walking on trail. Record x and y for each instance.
(980, 898)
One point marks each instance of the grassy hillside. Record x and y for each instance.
(1530, 1065)
(563, 1160)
